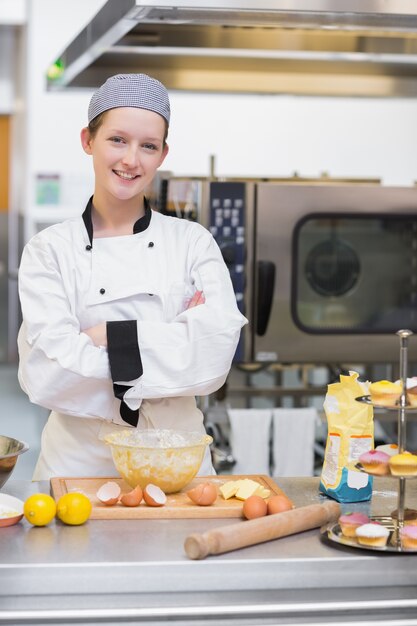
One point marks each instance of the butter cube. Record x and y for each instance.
(247, 488)
(242, 489)
(229, 489)
(263, 492)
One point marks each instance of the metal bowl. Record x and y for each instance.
(10, 449)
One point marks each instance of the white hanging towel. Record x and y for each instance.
(293, 441)
(250, 436)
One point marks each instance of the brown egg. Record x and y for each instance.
(154, 496)
(204, 494)
(109, 493)
(254, 506)
(278, 504)
(133, 498)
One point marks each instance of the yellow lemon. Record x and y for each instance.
(39, 509)
(73, 508)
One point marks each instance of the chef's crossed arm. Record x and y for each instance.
(190, 355)
(124, 355)
(98, 334)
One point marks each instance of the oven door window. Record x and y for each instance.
(354, 274)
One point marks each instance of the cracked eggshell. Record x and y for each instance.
(109, 493)
(204, 494)
(154, 496)
(133, 498)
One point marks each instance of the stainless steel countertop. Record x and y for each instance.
(119, 564)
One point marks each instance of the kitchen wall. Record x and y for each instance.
(250, 135)
(12, 17)
(54, 120)
(6, 69)
(277, 135)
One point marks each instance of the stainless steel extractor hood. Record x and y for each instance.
(319, 47)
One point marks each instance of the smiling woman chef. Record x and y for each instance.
(127, 314)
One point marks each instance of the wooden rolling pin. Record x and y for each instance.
(248, 533)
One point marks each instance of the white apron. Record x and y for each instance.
(74, 446)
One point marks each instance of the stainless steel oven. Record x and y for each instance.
(325, 273)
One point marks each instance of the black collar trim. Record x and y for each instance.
(138, 227)
(88, 223)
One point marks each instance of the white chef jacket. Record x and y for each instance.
(69, 281)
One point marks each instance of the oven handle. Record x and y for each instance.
(266, 285)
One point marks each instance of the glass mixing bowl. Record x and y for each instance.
(10, 449)
(167, 458)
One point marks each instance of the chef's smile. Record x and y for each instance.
(125, 175)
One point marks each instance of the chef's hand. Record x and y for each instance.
(98, 334)
(198, 298)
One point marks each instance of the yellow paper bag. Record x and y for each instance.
(350, 433)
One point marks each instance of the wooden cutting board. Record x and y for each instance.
(178, 504)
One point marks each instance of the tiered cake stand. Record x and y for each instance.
(334, 532)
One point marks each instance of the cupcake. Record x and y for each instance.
(409, 383)
(404, 464)
(412, 396)
(385, 392)
(409, 516)
(349, 522)
(375, 462)
(408, 537)
(388, 448)
(374, 535)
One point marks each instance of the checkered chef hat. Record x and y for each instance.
(130, 90)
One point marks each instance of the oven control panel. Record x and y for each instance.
(227, 225)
